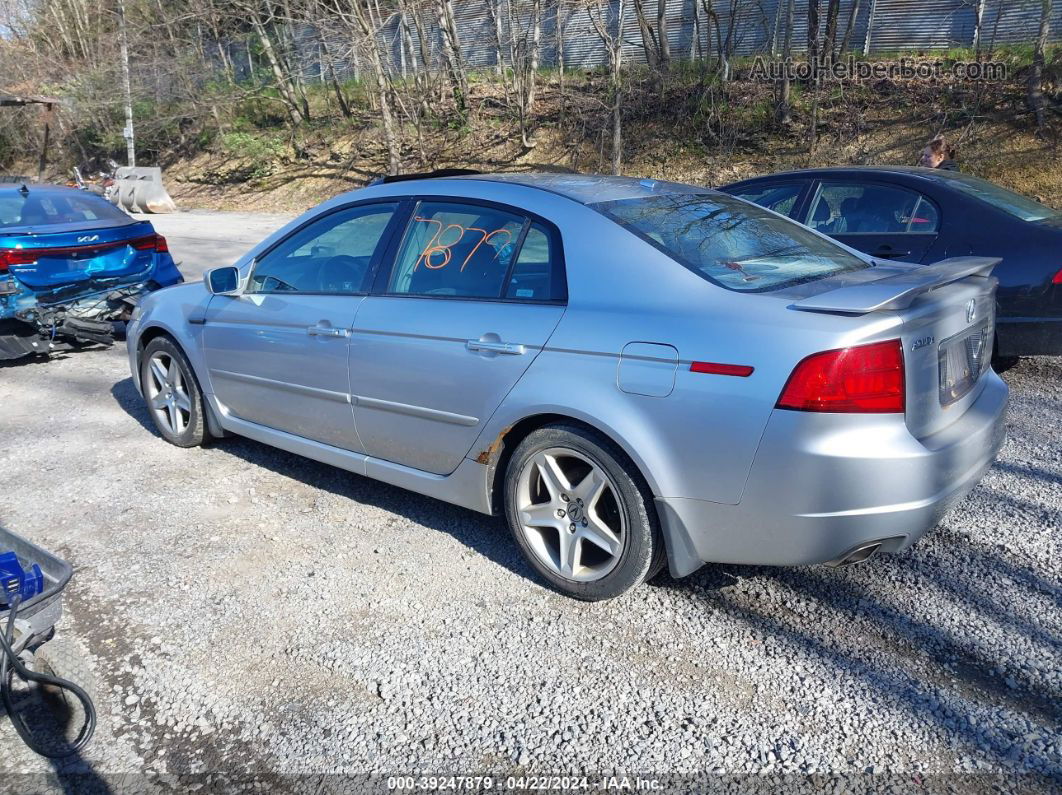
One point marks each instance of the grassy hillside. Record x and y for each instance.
(688, 128)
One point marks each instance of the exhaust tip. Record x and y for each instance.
(858, 555)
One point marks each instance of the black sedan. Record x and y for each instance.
(925, 215)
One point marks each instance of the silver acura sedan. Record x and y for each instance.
(636, 373)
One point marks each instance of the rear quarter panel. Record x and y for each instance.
(699, 440)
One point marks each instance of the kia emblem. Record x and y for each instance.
(971, 311)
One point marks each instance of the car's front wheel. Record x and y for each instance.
(581, 514)
(172, 393)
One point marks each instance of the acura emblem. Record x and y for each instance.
(971, 311)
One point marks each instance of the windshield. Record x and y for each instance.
(43, 209)
(729, 242)
(1009, 202)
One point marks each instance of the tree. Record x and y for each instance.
(662, 42)
(652, 56)
(357, 16)
(280, 74)
(833, 9)
(782, 88)
(814, 60)
(451, 48)
(813, 31)
(853, 16)
(1036, 74)
(598, 10)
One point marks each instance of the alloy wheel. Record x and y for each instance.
(167, 393)
(569, 513)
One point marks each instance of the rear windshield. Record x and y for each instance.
(729, 242)
(1002, 199)
(44, 209)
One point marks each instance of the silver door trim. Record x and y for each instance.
(326, 394)
(414, 411)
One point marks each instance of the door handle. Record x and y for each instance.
(327, 331)
(511, 348)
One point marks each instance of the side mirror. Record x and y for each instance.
(222, 281)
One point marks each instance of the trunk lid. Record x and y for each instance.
(62, 257)
(948, 314)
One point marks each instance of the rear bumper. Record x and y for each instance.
(18, 339)
(166, 272)
(1029, 336)
(823, 485)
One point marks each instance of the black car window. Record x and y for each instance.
(781, 198)
(1002, 199)
(850, 208)
(329, 255)
(456, 250)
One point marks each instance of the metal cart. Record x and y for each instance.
(32, 656)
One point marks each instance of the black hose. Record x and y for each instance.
(11, 665)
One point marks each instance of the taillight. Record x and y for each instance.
(148, 243)
(161, 245)
(1057, 278)
(16, 256)
(865, 379)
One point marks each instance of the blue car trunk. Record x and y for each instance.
(64, 256)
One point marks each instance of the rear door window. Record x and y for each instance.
(535, 275)
(850, 208)
(457, 250)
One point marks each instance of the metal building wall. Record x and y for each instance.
(1015, 21)
(756, 26)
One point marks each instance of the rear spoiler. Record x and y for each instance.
(899, 290)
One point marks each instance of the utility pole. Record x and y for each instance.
(127, 133)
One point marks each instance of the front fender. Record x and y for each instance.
(178, 312)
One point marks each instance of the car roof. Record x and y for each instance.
(583, 188)
(38, 190)
(918, 172)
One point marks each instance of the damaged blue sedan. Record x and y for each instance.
(72, 267)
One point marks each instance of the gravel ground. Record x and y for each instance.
(251, 613)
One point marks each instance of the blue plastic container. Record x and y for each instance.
(26, 581)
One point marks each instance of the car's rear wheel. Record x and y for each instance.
(172, 393)
(581, 513)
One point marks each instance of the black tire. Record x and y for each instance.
(643, 554)
(64, 658)
(1003, 363)
(193, 432)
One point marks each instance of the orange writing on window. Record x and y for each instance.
(437, 247)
